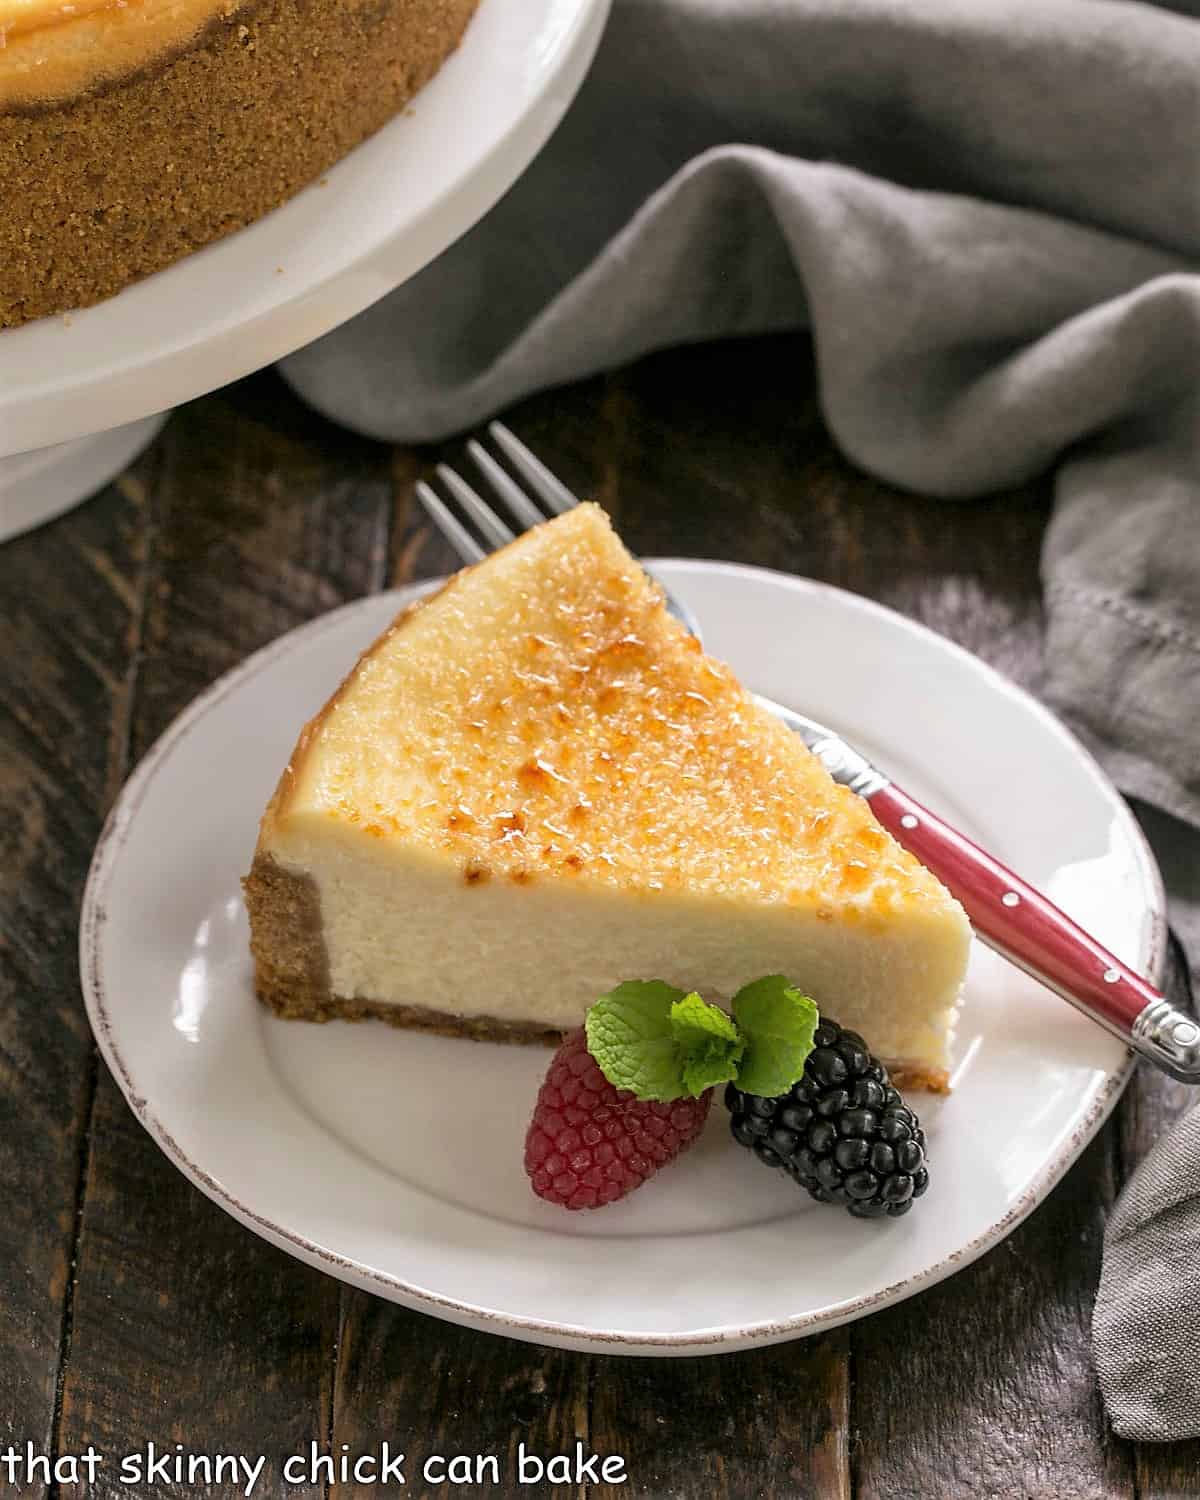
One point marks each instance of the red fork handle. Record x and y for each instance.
(1019, 922)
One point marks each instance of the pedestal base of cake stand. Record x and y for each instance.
(37, 486)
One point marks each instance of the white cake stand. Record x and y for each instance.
(80, 395)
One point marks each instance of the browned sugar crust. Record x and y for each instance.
(109, 187)
(291, 976)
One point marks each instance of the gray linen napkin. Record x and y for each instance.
(989, 217)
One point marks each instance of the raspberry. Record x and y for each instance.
(589, 1143)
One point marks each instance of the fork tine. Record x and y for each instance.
(545, 485)
(476, 507)
(449, 525)
(507, 488)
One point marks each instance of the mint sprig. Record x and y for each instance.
(660, 1043)
(708, 1041)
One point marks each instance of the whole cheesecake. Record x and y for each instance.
(536, 785)
(134, 131)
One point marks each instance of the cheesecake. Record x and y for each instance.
(132, 132)
(536, 784)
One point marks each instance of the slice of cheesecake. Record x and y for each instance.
(535, 785)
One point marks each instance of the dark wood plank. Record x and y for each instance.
(71, 597)
(760, 1425)
(186, 1328)
(438, 1390)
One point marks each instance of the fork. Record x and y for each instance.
(1008, 914)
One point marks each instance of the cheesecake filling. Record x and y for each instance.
(424, 934)
(55, 50)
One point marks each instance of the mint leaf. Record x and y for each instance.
(778, 1023)
(695, 1022)
(708, 1042)
(707, 1070)
(629, 1033)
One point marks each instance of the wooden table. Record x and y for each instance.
(135, 1310)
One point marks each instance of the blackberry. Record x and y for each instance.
(841, 1131)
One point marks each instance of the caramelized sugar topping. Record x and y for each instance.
(544, 715)
(20, 16)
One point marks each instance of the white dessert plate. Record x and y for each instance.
(375, 219)
(393, 1159)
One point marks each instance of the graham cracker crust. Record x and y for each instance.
(414, 1018)
(106, 188)
(913, 1076)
